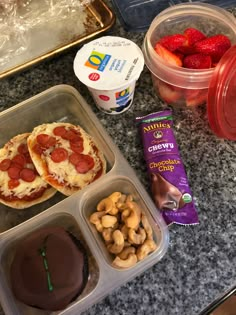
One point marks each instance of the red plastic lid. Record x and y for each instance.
(221, 105)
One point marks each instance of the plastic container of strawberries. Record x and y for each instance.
(183, 87)
(137, 15)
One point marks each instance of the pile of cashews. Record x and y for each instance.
(125, 229)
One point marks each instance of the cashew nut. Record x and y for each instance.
(108, 221)
(137, 237)
(113, 211)
(124, 230)
(121, 202)
(124, 214)
(133, 220)
(146, 248)
(125, 263)
(118, 244)
(115, 196)
(107, 235)
(95, 219)
(105, 204)
(108, 205)
(147, 226)
(96, 216)
(126, 251)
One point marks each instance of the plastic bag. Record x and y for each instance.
(20, 18)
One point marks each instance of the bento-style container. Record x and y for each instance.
(183, 87)
(64, 103)
(58, 104)
(28, 39)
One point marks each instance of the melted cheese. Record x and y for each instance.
(23, 189)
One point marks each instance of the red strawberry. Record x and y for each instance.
(168, 93)
(193, 35)
(186, 50)
(173, 42)
(215, 46)
(197, 61)
(167, 55)
(195, 97)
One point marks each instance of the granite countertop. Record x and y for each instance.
(200, 262)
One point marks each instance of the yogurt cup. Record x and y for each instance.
(110, 66)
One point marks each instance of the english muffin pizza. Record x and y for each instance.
(65, 156)
(20, 184)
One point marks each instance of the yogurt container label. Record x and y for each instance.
(110, 66)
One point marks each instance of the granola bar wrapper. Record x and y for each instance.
(169, 184)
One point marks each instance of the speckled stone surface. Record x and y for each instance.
(200, 262)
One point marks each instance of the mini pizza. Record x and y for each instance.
(65, 156)
(20, 184)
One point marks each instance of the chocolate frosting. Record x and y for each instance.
(166, 196)
(48, 269)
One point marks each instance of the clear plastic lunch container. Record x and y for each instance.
(183, 87)
(137, 15)
(64, 104)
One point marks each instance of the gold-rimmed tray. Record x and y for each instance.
(41, 43)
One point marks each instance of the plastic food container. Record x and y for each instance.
(64, 103)
(211, 20)
(137, 15)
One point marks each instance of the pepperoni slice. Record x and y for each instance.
(27, 175)
(37, 149)
(14, 172)
(13, 183)
(59, 131)
(22, 148)
(45, 140)
(77, 146)
(19, 159)
(70, 135)
(90, 161)
(75, 158)
(28, 158)
(5, 164)
(82, 167)
(83, 164)
(51, 142)
(42, 138)
(77, 138)
(59, 154)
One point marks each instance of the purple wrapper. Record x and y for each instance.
(169, 184)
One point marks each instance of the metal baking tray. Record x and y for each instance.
(64, 103)
(100, 19)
